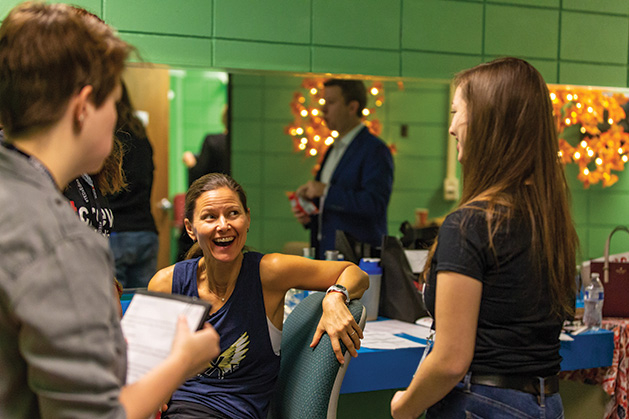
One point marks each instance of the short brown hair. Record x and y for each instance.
(351, 90)
(48, 52)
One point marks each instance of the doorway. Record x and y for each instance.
(148, 88)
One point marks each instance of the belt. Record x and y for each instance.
(526, 383)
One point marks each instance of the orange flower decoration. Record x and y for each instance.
(590, 134)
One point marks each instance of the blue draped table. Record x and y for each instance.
(378, 369)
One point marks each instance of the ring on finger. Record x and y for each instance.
(353, 333)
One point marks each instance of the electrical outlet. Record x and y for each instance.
(404, 130)
(451, 189)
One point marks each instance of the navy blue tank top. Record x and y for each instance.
(241, 380)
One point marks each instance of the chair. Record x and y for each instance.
(309, 380)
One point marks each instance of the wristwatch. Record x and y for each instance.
(339, 288)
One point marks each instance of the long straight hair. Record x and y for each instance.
(511, 159)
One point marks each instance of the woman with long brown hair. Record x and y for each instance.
(501, 278)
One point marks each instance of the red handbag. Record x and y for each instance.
(615, 277)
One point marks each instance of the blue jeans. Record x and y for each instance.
(135, 253)
(483, 402)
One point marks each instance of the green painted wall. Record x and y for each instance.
(569, 41)
(197, 99)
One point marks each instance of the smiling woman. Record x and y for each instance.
(219, 223)
(247, 291)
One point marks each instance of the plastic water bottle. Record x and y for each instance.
(371, 297)
(593, 302)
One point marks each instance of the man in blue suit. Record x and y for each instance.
(353, 186)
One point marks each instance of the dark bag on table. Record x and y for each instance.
(399, 296)
(352, 249)
(615, 279)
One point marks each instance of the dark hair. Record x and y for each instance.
(48, 52)
(206, 183)
(351, 90)
(127, 120)
(511, 160)
(110, 179)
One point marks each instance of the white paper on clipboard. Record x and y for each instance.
(149, 326)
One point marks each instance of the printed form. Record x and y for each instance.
(149, 326)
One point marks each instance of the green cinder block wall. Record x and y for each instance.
(569, 41)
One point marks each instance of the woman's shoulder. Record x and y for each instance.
(470, 211)
(162, 281)
(274, 266)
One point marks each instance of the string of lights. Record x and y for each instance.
(591, 123)
(308, 130)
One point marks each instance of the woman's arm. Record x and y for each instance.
(191, 352)
(279, 273)
(162, 281)
(457, 305)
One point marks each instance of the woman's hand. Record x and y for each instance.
(337, 321)
(189, 159)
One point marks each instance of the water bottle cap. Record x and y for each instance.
(371, 266)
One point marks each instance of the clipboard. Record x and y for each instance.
(149, 326)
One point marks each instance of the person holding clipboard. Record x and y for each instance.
(62, 352)
(247, 290)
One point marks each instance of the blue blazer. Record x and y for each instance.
(358, 194)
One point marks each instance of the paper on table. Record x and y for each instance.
(149, 326)
(389, 334)
(416, 259)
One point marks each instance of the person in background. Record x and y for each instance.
(88, 193)
(246, 290)
(62, 353)
(501, 279)
(134, 241)
(353, 187)
(213, 158)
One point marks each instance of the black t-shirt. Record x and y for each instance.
(90, 205)
(213, 158)
(132, 206)
(516, 332)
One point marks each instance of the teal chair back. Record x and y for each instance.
(309, 381)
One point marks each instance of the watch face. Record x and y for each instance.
(340, 287)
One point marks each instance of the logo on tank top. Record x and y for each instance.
(229, 361)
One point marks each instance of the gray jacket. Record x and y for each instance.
(62, 353)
